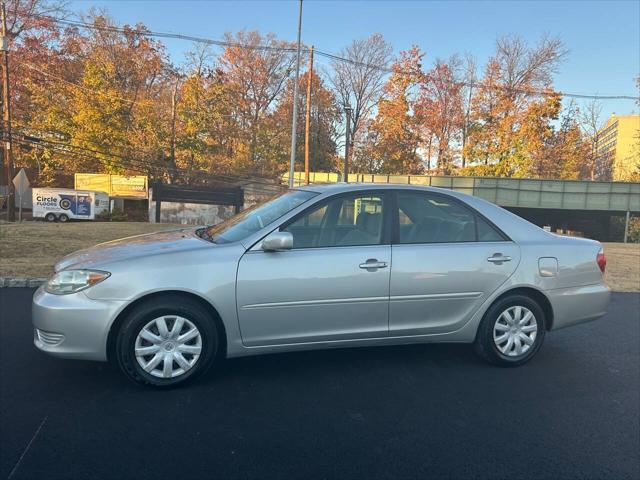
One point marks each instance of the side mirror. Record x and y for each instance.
(278, 241)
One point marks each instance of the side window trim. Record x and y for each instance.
(395, 240)
(384, 194)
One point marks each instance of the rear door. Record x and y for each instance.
(447, 259)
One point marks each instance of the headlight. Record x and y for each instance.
(72, 281)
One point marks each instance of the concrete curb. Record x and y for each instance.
(15, 282)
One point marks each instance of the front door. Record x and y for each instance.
(447, 260)
(334, 283)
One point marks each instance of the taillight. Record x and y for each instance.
(601, 260)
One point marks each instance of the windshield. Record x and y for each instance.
(255, 218)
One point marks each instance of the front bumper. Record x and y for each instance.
(578, 304)
(73, 326)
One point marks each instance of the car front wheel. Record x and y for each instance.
(166, 342)
(511, 332)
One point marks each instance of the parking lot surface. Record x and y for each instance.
(421, 411)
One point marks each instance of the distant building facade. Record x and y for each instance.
(618, 148)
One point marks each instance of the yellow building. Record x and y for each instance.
(618, 145)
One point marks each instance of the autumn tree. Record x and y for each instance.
(635, 151)
(325, 115)
(203, 132)
(469, 80)
(516, 85)
(570, 155)
(529, 145)
(591, 121)
(113, 108)
(30, 37)
(256, 69)
(440, 108)
(392, 138)
(103, 98)
(486, 114)
(28, 18)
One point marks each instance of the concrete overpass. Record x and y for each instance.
(597, 209)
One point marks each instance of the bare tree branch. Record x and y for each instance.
(359, 84)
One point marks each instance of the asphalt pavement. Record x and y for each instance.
(421, 411)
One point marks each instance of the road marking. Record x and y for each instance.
(15, 468)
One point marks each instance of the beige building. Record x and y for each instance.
(618, 147)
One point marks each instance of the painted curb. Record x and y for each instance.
(16, 282)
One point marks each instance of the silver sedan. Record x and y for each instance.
(321, 267)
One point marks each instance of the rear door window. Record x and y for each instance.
(425, 218)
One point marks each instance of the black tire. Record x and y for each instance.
(50, 217)
(484, 343)
(63, 217)
(142, 314)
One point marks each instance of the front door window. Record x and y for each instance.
(342, 222)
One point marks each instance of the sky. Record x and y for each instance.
(603, 37)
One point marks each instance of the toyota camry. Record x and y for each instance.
(340, 265)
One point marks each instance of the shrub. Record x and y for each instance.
(634, 230)
(116, 215)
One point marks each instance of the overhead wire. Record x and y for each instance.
(144, 165)
(334, 57)
(223, 43)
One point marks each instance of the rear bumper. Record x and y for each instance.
(72, 326)
(578, 304)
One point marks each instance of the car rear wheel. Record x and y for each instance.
(50, 217)
(511, 332)
(166, 342)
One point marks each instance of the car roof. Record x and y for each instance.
(349, 187)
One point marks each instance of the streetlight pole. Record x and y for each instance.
(294, 123)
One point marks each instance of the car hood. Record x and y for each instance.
(170, 241)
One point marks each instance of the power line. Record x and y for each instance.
(178, 36)
(110, 95)
(480, 85)
(334, 57)
(136, 167)
(143, 164)
(75, 85)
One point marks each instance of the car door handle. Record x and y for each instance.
(373, 263)
(498, 258)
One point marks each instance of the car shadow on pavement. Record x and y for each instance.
(336, 363)
(359, 360)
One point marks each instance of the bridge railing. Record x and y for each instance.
(512, 192)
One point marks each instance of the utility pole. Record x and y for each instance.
(172, 150)
(347, 144)
(6, 103)
(308, 118)
(294, 123)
